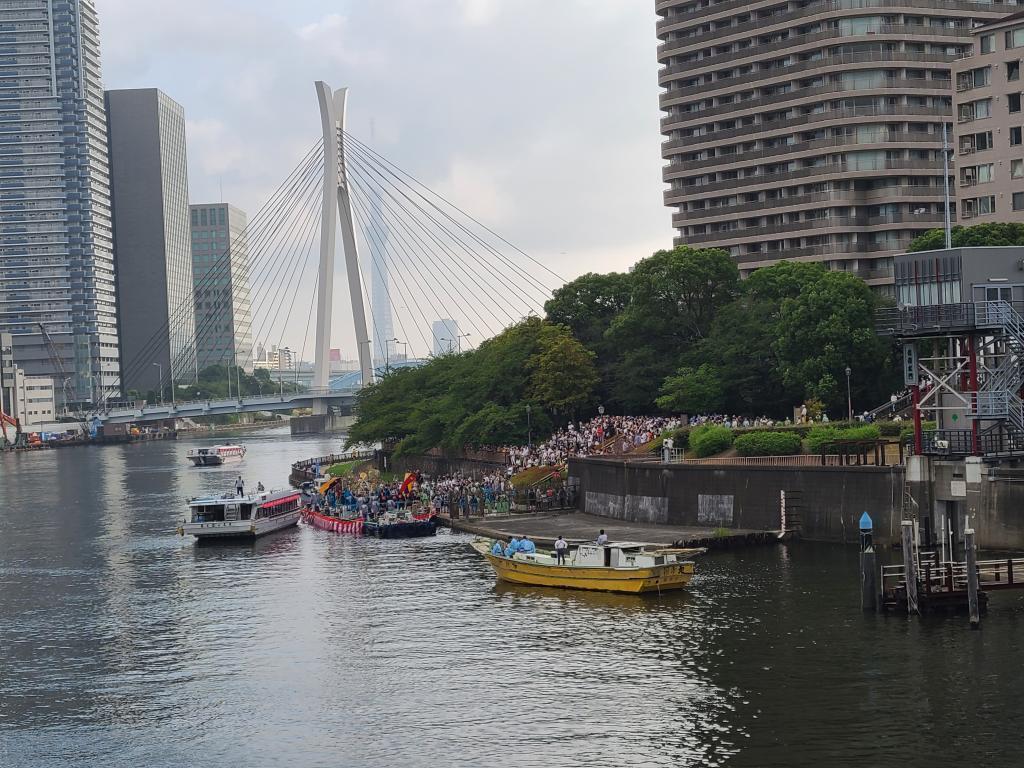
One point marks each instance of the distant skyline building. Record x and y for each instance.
(152, 249)
(220, 270)
(810, 129)
(446, 336)
(56, 241)
(382, 327)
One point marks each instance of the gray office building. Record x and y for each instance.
(220, 267)
(151, 238)
(57, 286)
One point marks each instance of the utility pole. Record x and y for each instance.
(945, 180)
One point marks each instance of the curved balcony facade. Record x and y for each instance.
(809, 129)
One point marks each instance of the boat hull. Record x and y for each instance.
(412, 530)
(333, 524)
(658, 578)
(240, 529)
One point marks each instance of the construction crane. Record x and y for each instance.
(58, 365)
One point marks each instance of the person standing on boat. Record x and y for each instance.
(561, 548)
(602, 538)
(239, 486)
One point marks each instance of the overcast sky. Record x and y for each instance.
(539, 117)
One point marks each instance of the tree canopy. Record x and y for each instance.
(481, 397)
(964, 237)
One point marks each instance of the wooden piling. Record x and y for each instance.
(972, 580)
(909, 566)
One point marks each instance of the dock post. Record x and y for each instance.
(909, 566)
(972, 579)
(868, 571)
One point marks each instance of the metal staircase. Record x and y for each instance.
(997, 397)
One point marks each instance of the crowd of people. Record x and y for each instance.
(600, 435)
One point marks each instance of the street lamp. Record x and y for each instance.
(849, 400)
(460, 337)
(529, 428)
(160, 373)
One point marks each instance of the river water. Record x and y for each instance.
(122, 644)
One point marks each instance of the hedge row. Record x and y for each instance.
(768, 444)
(709, 439)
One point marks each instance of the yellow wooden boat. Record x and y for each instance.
(627, 567)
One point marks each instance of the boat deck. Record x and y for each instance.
(579, 527)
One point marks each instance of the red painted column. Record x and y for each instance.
(915, 400)
(972, 365)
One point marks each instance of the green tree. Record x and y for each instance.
(693, 390)
(563, 378)
(963, 237)
(824, 329)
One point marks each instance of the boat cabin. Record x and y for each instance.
(621, 555)
(233, 508)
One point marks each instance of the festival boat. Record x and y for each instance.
(229, 516)
(627, 567)
(401, 524)
(216, 455)
(334, 523)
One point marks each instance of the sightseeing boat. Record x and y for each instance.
(228, 516)
(627, 567)
(216, 455)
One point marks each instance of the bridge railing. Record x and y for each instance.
(269, 397)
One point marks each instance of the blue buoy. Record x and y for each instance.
(865, 522)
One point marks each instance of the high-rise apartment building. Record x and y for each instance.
(220, 270)
(989, 123)
(152, 248)
(57, 286)
(809, 129)
(446, 336)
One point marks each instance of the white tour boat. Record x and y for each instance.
(249, 516)
(216, 455)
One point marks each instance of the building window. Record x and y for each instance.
(1015, 38)
(986, 205)
(1016, 137)
(1018, 201)
(987, 43)
(985, 173)
(1013, 70)
(1013, 102)
(1017, 170)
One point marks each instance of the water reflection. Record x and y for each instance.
(124, 644)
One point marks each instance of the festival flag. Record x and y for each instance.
(407, 483)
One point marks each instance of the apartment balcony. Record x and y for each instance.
(838, 170)
(759, 51)
(825, 116)
(678, 168)
(822, 65)
(840, 223)
(798, 202)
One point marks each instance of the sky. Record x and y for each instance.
(538, 117)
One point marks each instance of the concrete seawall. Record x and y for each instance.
(826, 501)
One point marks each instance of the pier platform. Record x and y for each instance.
(579, 527)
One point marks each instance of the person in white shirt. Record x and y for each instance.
(561, 550)
(602, 538)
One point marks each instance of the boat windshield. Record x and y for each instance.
(208, 513)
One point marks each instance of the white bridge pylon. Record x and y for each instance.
(336, 197)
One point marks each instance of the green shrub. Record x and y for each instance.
(768, 444)
(907, 431)
(864, 433)
(709, 439)
(890, 428)
(820, 437)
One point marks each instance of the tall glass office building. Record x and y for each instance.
(57, 288)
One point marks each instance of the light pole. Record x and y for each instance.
(529, 428)
(849, 400)
(160, 373)
(462, 336)
(444, 339)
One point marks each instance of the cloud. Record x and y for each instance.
(476, 13)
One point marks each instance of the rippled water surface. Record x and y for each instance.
(122, 644)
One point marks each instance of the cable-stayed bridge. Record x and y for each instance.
(431, 261)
